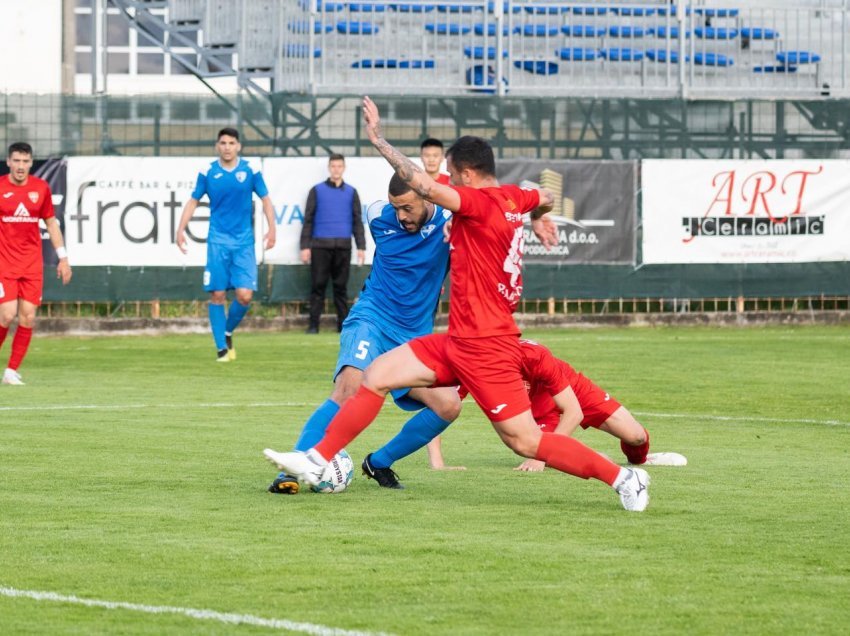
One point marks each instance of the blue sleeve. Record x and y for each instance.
(200, 187)
(372, 213)
(260, 185)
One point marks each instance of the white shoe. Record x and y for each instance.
(307, 467)
(665, 459)
(633, 489)
(10, 376)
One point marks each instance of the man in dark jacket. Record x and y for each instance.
(331, 218)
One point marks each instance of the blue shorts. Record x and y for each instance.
(361, 342)
(230, 267)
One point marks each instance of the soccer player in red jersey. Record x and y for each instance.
(481, 349)
(24, 201)
(561, 400)
(431, 154)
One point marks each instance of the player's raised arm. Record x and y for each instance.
(409, 172)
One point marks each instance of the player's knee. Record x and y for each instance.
(26, 319)
(524, 445)
(243, 297)
(218, 297)
(448, 410)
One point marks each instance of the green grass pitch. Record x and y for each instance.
(132, 472)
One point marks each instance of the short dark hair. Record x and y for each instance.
(336, 157)
(20, 146)
(398, 186)
(474, 153)
(431, 142)
(230, 132)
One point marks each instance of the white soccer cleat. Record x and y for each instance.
(634, 490)
(307, 467)
(10, 376)
(665, 459)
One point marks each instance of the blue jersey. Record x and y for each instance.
(401, 293)
(231, 208)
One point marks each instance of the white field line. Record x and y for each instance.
(216, 405)
(121, 407)
(200, 614)
(735, 418)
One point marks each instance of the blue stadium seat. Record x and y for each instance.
(367, 7)
(413, 8)
(393, 63)
(759, 33)
(456, 8)
(546, 10)
(634, 11)
(538, 67)
(303, 26)
(716, 33)
(482, 76)
(583, 30)
(478, 52)
(490, 30)
(300, 50)
(328, 7)
(714, 12)
(629, 31)
(798, 57)
(621, 54)
(353, 27)
(663, 55)
(769, 68)
(712, 59)
(506, 7)
(538, 30)
(577, 54)
(441, 28)
(589, 10)
(671, 11)
(662, 32)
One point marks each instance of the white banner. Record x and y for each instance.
(781, 211)
(289, 180)
(125, 210)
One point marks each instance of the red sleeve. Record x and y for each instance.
(526, 199)
(46, 211)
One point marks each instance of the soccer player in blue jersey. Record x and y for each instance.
(230, 184)
(396, 304)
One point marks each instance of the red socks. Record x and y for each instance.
(636, 454)
(20, 344)
(3, 332)
(571, 456)
(354, 416)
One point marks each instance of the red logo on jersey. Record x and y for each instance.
(33, 197)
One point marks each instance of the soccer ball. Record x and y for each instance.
(338, 474)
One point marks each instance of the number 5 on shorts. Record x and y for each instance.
(362, 350)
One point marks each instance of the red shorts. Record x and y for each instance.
(596, 404)
(28, 289)
(489, 368)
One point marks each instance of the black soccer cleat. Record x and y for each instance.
(285, 485)
(385, 477)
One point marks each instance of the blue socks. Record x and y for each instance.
(217, 324)
(416, 433)
(314, 429)
(235, 315)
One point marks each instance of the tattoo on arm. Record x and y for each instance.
(408, 171)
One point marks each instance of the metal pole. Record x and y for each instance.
(680, 20)
(499, 14)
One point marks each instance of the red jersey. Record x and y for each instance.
(486, 259)
(21, 208)
(444, 179)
